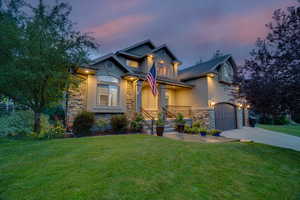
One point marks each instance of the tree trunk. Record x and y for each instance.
(37, 122)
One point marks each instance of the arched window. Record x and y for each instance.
(108, 91)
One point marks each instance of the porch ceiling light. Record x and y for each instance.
(211, 75)
(161, 62)
(87, 71)
(151, 56)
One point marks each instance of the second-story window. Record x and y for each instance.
(132, 63)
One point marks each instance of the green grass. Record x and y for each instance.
(288, 129)
(145, 167)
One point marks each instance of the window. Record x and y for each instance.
(227, 73)
(107, 91)
(132, 63)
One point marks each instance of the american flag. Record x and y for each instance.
(151, 77)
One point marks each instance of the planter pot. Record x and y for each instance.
(203, 133)
(217, 134)
(160, 131)
(180, 128)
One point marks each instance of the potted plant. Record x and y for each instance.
(180, 122)
(160, 125)
(215, 132)
(203, 131)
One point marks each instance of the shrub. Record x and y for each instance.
(56, 131)
(20, 123)
(179, 119)
(281, 120)
(137, 123)
(83, 123)
(119, 123)
(265, 120)
(203, 130)
(186, 128)
(101, 125)
(198, 123)
(55, 113)
(214, 132)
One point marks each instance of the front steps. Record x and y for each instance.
(169, 126)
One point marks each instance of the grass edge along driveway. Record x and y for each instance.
(287, 129)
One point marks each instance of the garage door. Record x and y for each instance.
(225, 116)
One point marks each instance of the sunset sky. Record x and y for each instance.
(193, 29)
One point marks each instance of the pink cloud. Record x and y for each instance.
(242, 28)
(123, 25)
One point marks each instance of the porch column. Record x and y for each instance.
(138, 104)
(162, 96)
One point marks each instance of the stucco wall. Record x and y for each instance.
(217, 91)
(195, 97)
(148, 100)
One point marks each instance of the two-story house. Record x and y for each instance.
(116, 83)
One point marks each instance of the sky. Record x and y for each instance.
(193, 29)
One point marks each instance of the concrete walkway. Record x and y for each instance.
(197, 138)
(265, 137)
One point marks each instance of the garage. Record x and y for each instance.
(225, 116)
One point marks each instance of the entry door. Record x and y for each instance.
(225, 116)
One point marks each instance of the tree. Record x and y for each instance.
(38, 50)
(269, 80)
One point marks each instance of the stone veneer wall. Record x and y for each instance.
(130, 98)
(77, 100)
(207, 115)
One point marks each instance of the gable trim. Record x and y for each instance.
(113, 57)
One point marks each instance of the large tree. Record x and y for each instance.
(38, 49)
(270, 79)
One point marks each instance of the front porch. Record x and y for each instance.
(169, 100)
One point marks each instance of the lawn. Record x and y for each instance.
(145, 167)
(288, 129)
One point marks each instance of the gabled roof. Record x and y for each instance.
(164, 46)
(110, 56)
(204, 68)
(137, 45)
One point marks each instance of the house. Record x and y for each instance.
(116, 83)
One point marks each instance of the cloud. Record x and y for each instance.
(237, 28)
(117, 27)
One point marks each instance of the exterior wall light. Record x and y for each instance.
(87, 71)
(240, 106)
(248, 106)
(211, 103)
(161, 62)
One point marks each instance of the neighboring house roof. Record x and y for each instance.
(110, 56)
(204, 68)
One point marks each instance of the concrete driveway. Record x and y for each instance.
(265, 137)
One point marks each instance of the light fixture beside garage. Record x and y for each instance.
(211, 103)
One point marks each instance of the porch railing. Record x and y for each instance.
(186, 111)
(148, 116)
